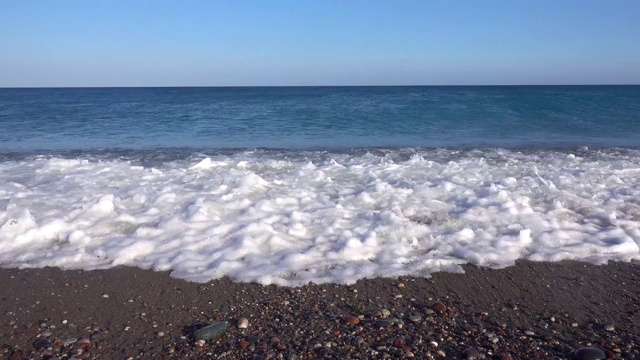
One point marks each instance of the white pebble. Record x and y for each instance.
(243, 323)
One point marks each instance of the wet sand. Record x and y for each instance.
(527, 311)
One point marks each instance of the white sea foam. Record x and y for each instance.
(293, 218)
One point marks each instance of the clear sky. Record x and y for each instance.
(318, 42)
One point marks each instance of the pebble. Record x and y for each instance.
(212, 331)
(589, 353)
(385, 313)
(439, 307)
(401, 285)
(529, 333)
(609, 327)
(415, 318)
(352, 320)
(69, 341)
(160, 334)
(243, 323)
(41, 344)
(84, 343)
(382, 323)
(471, 353)
(46, 334)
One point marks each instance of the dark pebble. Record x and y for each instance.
(42, 343)
(471, 353)
(589, 353)
(382, 323)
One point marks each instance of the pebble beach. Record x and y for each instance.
(533, 310)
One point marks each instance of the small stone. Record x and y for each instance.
(160, 334)
(46, 334)
(400, 285)
(398, 342)
(575, 324)
(439, 307)
(69, 341)
(415, 318)
(382, 323)
(244, 343)
(359, 341)
(529, 333)
(106, 296)
(352, 320)
(42, 344)
(83, 343)
(243, 323)
(609, 327)
(398, 296)
(199, 343)
(212, 331)
(494, 340)
(385, 313)
(471, 353)
(589, 353)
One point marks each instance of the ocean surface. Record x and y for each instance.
(318, 184)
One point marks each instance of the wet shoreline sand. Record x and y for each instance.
(527, 311)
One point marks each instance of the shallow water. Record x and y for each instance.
(155, 178)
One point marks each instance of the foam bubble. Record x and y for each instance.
(291, 218)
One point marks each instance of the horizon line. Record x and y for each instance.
(294, 86)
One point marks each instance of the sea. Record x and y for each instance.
(291, 185)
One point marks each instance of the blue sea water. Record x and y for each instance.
(323, 184)
(319, 117)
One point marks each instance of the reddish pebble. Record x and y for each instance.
(398, 342)
(84, 343)
(352, 320)
(438, 306)
(244, 343)
(470, 328)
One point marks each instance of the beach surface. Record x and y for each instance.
(533, 310)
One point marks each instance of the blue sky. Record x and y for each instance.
(328, 42)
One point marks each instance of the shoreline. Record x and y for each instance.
(528, 311)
